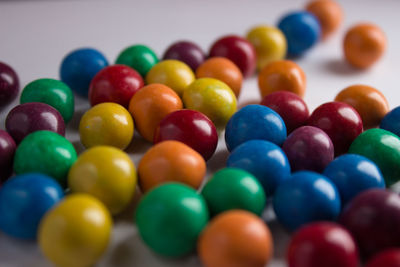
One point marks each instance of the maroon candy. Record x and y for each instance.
(7, 150)
(9, 84)
(187, 52)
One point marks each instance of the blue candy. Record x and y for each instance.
(391, 122)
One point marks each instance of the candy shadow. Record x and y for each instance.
(139, 145)
(73, 124)
(218, 160)
(341, 67)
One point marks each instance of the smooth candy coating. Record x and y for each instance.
(79, 67)
(237, 49)
(329, 14)
(24, 200)
(170, 218)
(190, 127)
(232, 188)
(187, 52)
(150, 105)
(76, 232)
(106, 173)
(235, 238)
(9, 84)
(304, 198)
(387, 258)
(116, 83)
(391, 122)
(7, 150)
(31, 117)
(308, 148)
(51, 92)
(139, 57)
(171, 161)
(265, 160)
(254, 122)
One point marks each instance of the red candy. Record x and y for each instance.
(387, 258)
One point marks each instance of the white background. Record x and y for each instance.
(35, 35)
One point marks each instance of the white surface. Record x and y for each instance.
(35, 35)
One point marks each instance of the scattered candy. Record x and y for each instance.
(139, 57)
(329, 15)
(187, 52)
(391, 121)
(9, 84)
(387, 258)
(7, 150)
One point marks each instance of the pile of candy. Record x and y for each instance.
(326, 173)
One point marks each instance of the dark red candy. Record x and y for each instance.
(7, 150)
(340, 121)
(9, 84)
(238, 50)
(290, 107)
(387, 258)
(187, 52)
(190, 127)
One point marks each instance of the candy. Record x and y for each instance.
(308, 148)
(265, 160)
(107, 124)
(7, 150)
(329, 15)
(304, 198)
(150, 105)
(190, 127)
(51, 92)
(187, 52)
(9, 84)
(391, 121)
(282, 75)
(76, 232)
(322, 244)
(387, 258)
(79, 67)
(106, 173)
(235, 238)
(116, 83)
(24, 200)
(139, 57)
(170, 218)
(237, 49)
(31, 117)
(171, 161)
(254, 122)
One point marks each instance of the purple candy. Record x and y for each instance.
(30, 117)
(187, 52)
(308, 148)
(7, 150)
(9, 84)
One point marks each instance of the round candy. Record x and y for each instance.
(170, 218)
(222, 69)
(7, 150)
(31, 117)
(269, 42)
(387, 258)
(172, 73)
(116, 83)
(51, 92)
(213, 98)
(171, 161)
(106, 173)
(322, 244)
(265, 160)
(236, 238)
(373, 218)
(383, 148)
(340, 121)
(254, 122)
(9, 84)
(107, 124)
(150, 105)
(369, 103)
(304, 198)
(302, 31)
(292, 108)
(364, 44)
(79, 67)
(76, 232)
(329, 15)
(308, 148)
(139, 57)
(190, 127)
(282, 75)
(24, 200)
(232, 188)
(391, 121)
(187, 52)
(45, 152)
(237, 49)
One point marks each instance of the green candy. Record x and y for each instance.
(383, 148)
(51, 92)
(170, 218)
(45, 152)
(232, 188)
(139, 57)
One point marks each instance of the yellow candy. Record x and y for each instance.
(107, 124)
(106, 173)
(76, 232)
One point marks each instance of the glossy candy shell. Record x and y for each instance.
(139, 57)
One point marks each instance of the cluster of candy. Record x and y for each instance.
(299, 172)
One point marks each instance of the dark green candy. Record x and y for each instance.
(139, 57)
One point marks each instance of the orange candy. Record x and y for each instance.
(235, 238)
(364, 44)
(329, 14)
(150, 105)
(224, 70)
(282, 75)
(370, 103)
(171, 161)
